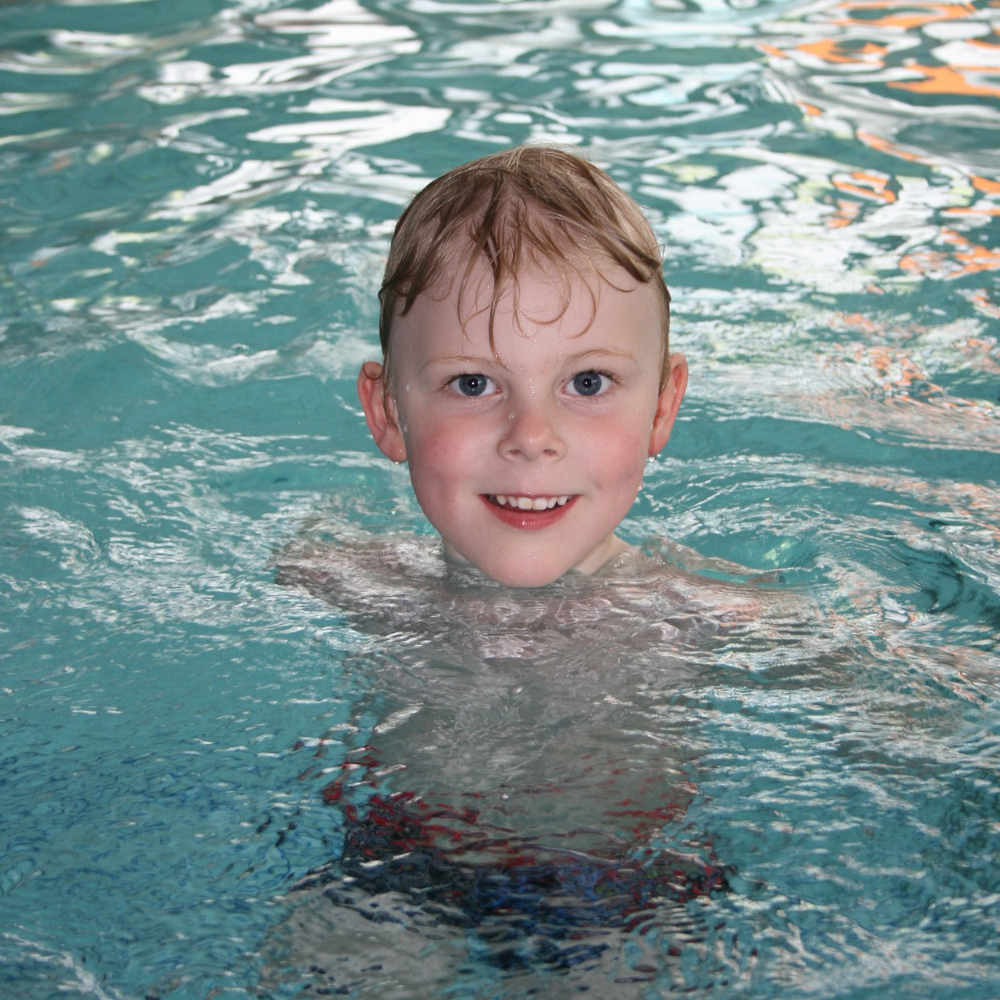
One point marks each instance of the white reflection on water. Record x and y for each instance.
(342, 37)
(367, 124)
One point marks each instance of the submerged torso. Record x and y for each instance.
(541, 709)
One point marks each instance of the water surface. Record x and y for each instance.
(195, 203)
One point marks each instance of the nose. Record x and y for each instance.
(531, 432)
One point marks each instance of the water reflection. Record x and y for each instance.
(195, 201)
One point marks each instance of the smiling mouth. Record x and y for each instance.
(527, 503)
(528, 513)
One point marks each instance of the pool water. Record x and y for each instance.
(778, 783)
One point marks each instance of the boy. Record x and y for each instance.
(526, 375)
(509, 783)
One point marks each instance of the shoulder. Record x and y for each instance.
(355, 570)
(686, 585)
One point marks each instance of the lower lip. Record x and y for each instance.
(528, 520)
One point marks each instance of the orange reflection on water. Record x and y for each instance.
(832, 51)
(847, 212)
(985, 206)
(886, 146)
(945, 80)
(985, 185)
(904, 15)
(966, 258)
(895, 369)
(980, 298)
(867, 184)
(966, 62)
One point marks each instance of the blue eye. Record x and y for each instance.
(470, 385)
(589, 384)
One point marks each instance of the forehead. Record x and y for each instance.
(544, 302)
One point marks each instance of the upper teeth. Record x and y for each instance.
(530, 503)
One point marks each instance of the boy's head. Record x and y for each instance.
(526, 373)
(523, 206)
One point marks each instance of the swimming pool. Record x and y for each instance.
(195, 202)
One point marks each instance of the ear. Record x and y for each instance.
(668, 402)
(379, 410)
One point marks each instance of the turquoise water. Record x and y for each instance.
(195, 199)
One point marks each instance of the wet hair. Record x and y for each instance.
(530, 205)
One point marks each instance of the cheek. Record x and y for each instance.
(623, 450)
(627, 481)
(438, 450)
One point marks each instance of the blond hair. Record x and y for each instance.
(526, 205)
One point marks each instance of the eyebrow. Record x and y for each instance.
(602, 352)
(463, 360)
